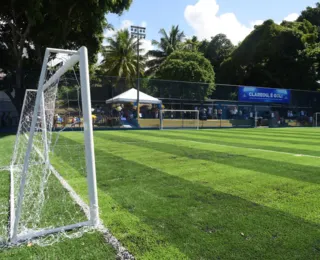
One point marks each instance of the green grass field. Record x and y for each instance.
(208, 194)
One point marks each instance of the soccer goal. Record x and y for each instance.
(41, 201)
(316, 119)
(176, 119)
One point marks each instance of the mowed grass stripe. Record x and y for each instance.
(138, 237)
(230, 138)
(245, 143)
(224, 173)
(277, 157)
(200, 221)
(286, 132)
(265, 133)
(263, 138)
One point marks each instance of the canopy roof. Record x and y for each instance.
(131, 96)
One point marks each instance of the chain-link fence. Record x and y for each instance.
(219, 105)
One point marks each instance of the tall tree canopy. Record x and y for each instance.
(275, 56)
(120, 57)
(217, 50)
(28, 27)
(169, 42)
(188, 66)
(312, 14)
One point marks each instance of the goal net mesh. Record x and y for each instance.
(46, 203)
(176, 119)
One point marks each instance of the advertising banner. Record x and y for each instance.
(266, 95)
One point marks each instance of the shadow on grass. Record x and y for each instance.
(2, 135)
(202, 222)
(283, 169)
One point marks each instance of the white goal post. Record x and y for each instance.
(176, 119)
(316, 119)
(31, 162)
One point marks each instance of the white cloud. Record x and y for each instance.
(257, 22)
(206, 21)
(291, 17)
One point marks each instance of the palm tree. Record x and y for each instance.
(169, 42)
(192, 44)
(120, 57)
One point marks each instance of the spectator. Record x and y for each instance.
(219, 113)
(215, 113)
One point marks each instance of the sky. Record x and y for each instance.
(206, 18)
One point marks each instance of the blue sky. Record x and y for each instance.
(205, 18)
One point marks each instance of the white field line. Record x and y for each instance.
(5, 168)
(258, 149)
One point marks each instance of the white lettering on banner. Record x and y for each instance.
(265, 95)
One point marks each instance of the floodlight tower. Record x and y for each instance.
(139, 33)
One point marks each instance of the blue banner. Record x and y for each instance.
(267, 95)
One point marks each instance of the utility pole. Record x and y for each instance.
(138, 32)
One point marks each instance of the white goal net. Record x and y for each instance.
(176, 119)
(41, 201)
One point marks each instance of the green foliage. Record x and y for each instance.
(28, 27)
(274, 56)
(192, 44)
(168, 43)
(191, 67)
(120, 57)
(312, 14)
(217, 50)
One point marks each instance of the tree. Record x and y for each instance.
(217, 50)
(169, 42)
(274, 56)
(312, 15)
(28, 27)
(120, 57)
(192, 44)
(194, 72)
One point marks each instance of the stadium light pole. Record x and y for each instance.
(139, 33)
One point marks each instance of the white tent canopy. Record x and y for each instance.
(131, 96)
